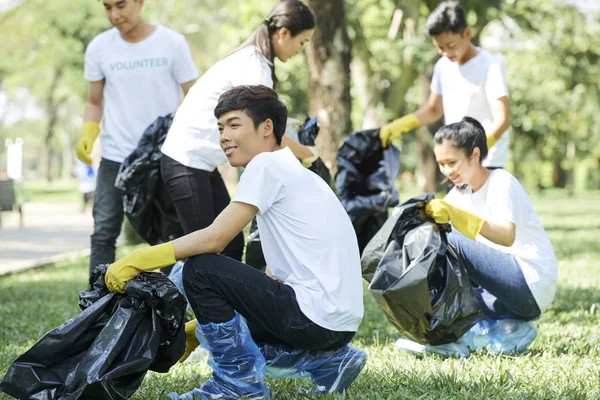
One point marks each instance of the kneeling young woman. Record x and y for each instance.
(498, 234)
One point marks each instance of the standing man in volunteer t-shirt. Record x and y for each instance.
(135, 72)
(467, 81)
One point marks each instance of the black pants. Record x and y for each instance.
(199, 196)
(216, 286)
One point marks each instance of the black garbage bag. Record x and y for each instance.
(146, 201)
(254, 254)
(418, 279)
(307, 134)
(365, 181)
(105, 351)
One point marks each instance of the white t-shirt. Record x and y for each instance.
(193, 139)
(307, 238)
(142, 83)
(470, 90)
(501, 199)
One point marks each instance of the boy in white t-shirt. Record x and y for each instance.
(135, 72)
(467, 81)
(306, 309)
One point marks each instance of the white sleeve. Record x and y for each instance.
(504, 200)
(255, 71)
(495, 85)
(92, 71)
(184, 69)
(258, 185)
(436, 82)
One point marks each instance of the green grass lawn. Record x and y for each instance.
(562, 363)
(57, 191)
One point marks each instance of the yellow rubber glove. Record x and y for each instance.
(308, 161)
(191, 341)
(396, 128)
(83, 148)
(490, 140)
(463, 221)
(147, 259)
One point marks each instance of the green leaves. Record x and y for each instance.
(552, 72)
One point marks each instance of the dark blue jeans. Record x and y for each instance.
(108, 214)
(503, 291)
(217, 285)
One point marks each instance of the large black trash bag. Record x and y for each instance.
(307, 134)
(105, 351)
(365, 181)
(418, 279)
(146, 201)
(254, 254)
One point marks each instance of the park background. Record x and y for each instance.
(370, 61)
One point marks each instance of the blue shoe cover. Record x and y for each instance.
(331, 370)
(500, 336)
(237, 363)
(458, 349)
(194, 394)
(504, 336)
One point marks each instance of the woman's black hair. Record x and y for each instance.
(465, 135)
(291, 14)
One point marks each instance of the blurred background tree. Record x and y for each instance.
(370, 62)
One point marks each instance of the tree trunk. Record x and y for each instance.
(374, 97)
(394, 96)
(52, 104)
(328, 58)
(559, 175)
(571, 158)
(66, 157)
(428, 175)
(4, 110)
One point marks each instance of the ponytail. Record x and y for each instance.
(291, 14)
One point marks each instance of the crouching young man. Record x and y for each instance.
(306, 313)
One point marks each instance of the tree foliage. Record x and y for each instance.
(549, 48)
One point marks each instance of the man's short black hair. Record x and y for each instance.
(259, 102)
(448, 17)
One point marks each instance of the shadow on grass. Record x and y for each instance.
(489, 383)
(572, 298)
(575, 211)
(562, 228)
(575, 247)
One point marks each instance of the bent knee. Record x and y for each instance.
(194, 266)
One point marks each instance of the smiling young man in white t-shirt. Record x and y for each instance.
(136, 72)
(306, 313)
(467, 82)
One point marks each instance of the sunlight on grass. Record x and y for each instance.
(58, 191)
(562, 363)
